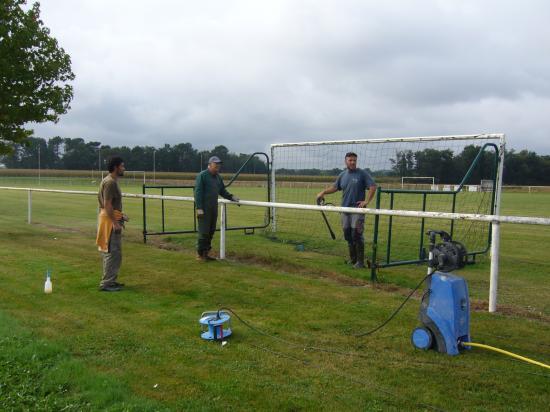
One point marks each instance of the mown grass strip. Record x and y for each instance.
(36, 374)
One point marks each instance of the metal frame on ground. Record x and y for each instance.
(224, 220)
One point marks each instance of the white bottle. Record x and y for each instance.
(48, 284)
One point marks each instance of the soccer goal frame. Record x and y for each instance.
(494, 143)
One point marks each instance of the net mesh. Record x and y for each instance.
(302, 171)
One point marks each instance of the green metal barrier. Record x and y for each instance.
(389, 260)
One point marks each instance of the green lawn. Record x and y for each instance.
(140, 349)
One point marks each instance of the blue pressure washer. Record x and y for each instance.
(445, 306)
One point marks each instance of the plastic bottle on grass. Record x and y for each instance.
(48, 284)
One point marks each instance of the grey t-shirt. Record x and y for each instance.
(353, 185)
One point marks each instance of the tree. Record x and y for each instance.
(403, 164)
(221, 151)
(433, 162)
(185, 157)
(55, 148)
(80, 155)
(34, 73)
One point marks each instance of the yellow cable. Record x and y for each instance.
(513, 355)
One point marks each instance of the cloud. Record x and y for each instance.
(248, 73)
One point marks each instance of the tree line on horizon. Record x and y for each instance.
(520, 168)
(76, 154)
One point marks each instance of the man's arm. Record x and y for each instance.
(111, 213)
(329, 190)
(198, 193)
(372, 190)
(370, 195)
(224, 193)
(333, 188)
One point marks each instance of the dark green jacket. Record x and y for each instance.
(207, 189)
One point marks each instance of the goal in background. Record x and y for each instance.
(130, 176)
(300, 170)
(418, 182)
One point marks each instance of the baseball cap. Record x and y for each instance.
(214, 159)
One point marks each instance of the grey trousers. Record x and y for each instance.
(353, 225)
(112, 260)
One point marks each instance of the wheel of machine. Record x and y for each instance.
(422, 338)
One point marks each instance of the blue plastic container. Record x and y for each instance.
(445, 314)
(215, 325)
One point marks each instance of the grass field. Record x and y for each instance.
(79, 349)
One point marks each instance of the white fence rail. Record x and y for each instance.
(496, 220)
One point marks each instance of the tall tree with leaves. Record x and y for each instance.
(34, 73)
(403, 164)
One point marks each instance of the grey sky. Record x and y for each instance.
(250, 73)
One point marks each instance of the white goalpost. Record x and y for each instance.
(418, 180)
(321, 158)
(317, 163)
(134, 175)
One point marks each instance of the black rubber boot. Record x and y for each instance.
(352, 254)
(360, 247)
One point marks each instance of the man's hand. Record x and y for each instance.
(200, 213)
(362, 204)
(320, 197)
(117, 227)
(235, 199)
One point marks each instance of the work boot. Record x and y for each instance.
(112, 288)
(207, 257)
(210, 258)
(360, 247)
(200, 256)
(352, 254)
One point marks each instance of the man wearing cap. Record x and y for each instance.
(208, 186)
(353, 182)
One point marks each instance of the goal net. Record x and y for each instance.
(138, 177)
(454, 165)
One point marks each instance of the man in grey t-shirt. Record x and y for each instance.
(353, 182)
